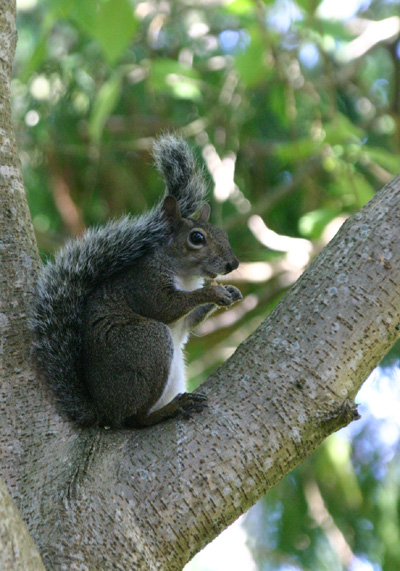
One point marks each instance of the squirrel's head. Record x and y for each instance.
(197, 247)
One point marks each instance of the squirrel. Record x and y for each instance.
(113, 311)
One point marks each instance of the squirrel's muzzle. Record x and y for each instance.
(232, 265)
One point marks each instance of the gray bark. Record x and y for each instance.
(18, 261)
(150, 499)
(17, 550)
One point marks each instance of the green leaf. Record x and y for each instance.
(40, 52)
(240, 7)
(352, 186)
(38, 56)
(312, 224)
(277, 103)
(105, 101)
(116, 25)
(341, 130)
(387, 160)
(83, 13)
(363, 189)
(297, 150)
(251, 65)
(111, 22)
(161, 68)
(180, 81)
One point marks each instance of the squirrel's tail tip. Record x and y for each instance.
(174, 159)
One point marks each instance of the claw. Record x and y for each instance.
(198, 396)
(190, 403)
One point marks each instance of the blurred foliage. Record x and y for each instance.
(294, 108)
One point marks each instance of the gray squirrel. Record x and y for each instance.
(114, 309)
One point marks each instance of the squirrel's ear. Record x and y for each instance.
(204, 213)
(171, 209)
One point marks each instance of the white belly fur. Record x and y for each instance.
(176, 382)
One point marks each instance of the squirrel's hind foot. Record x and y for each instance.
(189, 403)
(183, 405)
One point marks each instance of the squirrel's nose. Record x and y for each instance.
(232, 265)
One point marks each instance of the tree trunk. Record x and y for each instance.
(17, 550)
(150, 499)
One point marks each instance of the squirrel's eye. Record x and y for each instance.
(197, 238)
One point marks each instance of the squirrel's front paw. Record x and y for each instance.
(189, 403)
(226, 295)
(221, 296)
(234, 292)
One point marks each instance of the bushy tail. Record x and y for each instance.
(92, 259)
(178, 167)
